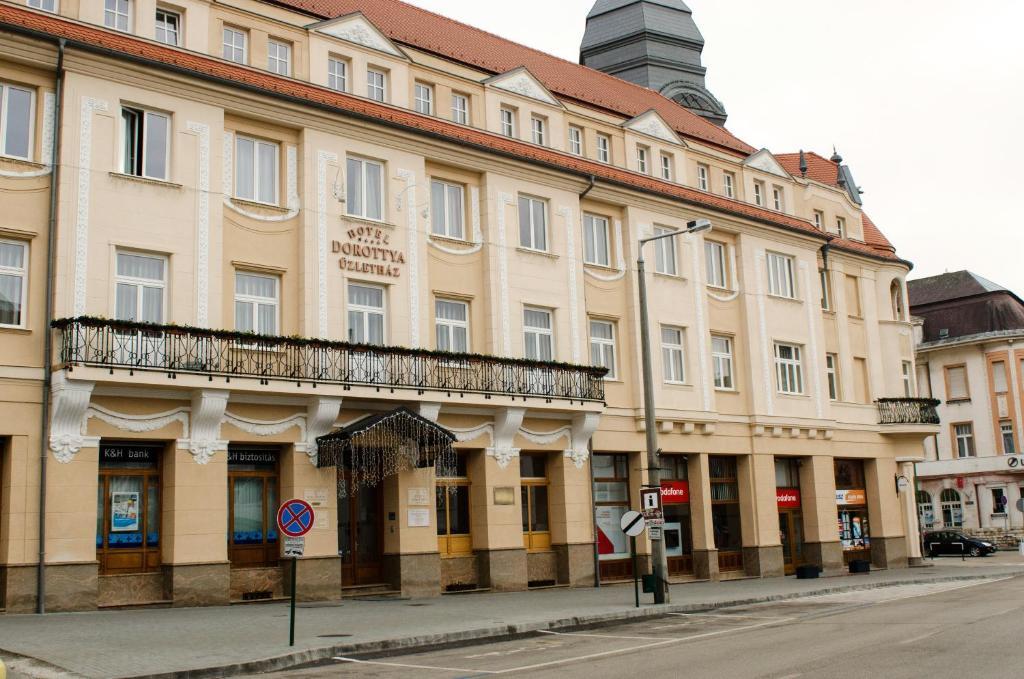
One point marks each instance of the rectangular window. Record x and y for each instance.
(721, 361)
(841, 227)
(460, 109)
(759, 193)
(819, 219)
(999, 377)
(279, 57)
(337, 74)
(826, 289)
(139, 287)
(575, 140)
(641, 159)
(957, 388)
(999, 500)
(964, 435)
(729, 184)
(424, 99)
(538, 334)
(777, 198)
(611, 500)
(702, 177)
(908, 379)
(788, 369)
(256, 170)
(832, 373)
(860, 380)
(666, 167)
(45, 5)
(665, 252)
(376, 85)
(16, 117)
(366, 314)
(595, 240)
(508, 122)
(534, 488)
(673, 355)
(446, 209)
(128, 508)
(852, 296)
(234, 45)
(539, 127)
(168, 27)
(451, 325)
(256, 303)
(146, 140)
(253, 493)
(117, 14)
(452, 504)
(602, 346)
(365, 189)
(781, 281)
(714, 261)
(13, 282)
(1006, 432)
(604, 149)
(533, 227)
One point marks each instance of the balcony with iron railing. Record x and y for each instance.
(908, 415)
(171, 349)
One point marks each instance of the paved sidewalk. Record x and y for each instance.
(250, 638)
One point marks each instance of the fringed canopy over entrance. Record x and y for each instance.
(383, 445)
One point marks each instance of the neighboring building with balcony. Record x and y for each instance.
(278, 221)
(969, 357)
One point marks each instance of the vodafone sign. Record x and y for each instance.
(788, 498)
(675, 492)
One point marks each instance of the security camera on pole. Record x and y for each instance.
(659, 559)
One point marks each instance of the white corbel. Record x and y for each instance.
(70, 401)
(321, 414)
(583, 427)
(208, 406)
(506, 425)
(428, 410)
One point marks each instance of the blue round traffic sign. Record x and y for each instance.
(295, 518)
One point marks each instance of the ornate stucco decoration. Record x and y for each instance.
(321, 412)
(507, 422)
(202, 131)
(291, 179)
(520, 81)
(70, 400)
(409, 177)
(138, 424)
(620, 261)
(574, 301)
(46, 153)
(764, 160)
(543, 438)
(89, 105)
(208, 406)
(583, 427)
(473, 433)
(323, 159)
(653, 125)
(356, 28)
(504, 200)
(696, 244)
(760, 265)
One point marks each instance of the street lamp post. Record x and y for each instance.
(658, 556)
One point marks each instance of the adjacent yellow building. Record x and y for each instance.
(274, 220)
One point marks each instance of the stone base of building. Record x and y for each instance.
(130, 589)
(575, 564)
(72, 587)
(460, 573)
(503, 570)
(541, 569)
(200, 584)
(318, 578)
(415, 575)
(705, 564)
(889, 552)
(764, 562)
(828, 555)
(263, 582)
(18, 588)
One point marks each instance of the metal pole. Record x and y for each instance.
(636, 576)
(291, 621)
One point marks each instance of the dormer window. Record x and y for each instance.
(819, 219)
(729, 184)
(117, 14)
(604, 149)
(376, 84)
(279, 57)
(424, 96)
(508, 121)
(841, 227)
(641, 159)
(702, 177)
(45, 5)
(575, 140)
(539, 126)
(666, 167)
(778, 201)
(759, 193)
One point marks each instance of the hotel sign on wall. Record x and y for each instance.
(367, 249)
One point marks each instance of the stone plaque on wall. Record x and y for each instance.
(419, 518)
(505, 495)
(419, 497)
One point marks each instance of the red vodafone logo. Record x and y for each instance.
(788, 498)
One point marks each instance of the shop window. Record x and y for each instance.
(533, 473)
(675, 494)
(725, 512)
(611, 500)
(252, 507)
(851, 501)
(952, 508)
(128, 508)
(925, 510)
(453, 531)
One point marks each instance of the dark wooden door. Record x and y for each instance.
(360, 537)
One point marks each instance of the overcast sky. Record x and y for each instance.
(924, 99)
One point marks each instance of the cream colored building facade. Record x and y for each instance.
(461, 214)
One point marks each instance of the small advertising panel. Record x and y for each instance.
(675, 492)
(124, 512)
(788, 498)
(851, 497)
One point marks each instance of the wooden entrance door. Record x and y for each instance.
(791, 532)
(360, 537)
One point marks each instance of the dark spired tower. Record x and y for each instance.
(653, 43)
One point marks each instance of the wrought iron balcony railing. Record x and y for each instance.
(174, 349)
(908, 411)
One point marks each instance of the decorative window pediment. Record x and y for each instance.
(764, 160)
(520, 81)
(653, 125)
(357, 29)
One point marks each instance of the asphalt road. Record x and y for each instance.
(937, 630)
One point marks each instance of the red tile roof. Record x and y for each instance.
(819, 169)
(95, 38)
(437, 34)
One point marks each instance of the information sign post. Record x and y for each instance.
(294, 520)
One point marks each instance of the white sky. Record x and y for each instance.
(924, 99)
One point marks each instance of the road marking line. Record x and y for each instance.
(923, 636)
(729, 615)
(597, 636)
(412, 667)
(792, 676)
(941, 591)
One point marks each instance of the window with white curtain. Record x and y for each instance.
(729, 184)
(539, 127)
(533, 223)
(451, 324)
(256, 170)
(257, 303)
(702, 177)
(759, 193)
(16, 118)
(508, 121)
(337, 74)
(146, 143)
(595, 240)
(604, 148)
(666, 167)
(140, 282)
(665, 252)
(642, 154)
(365, 183)
(781, 282)
(376, 85)
(714, 260)
(721, 361)
(964, 435)
(673, 356)
(538, 334)
(424, 99)
(789, 372)
(45, 5)
(168, 27)
(117, 14)
(777, 198)
(575, 140)
(460, 108)
(234, 44)
(602, 346)
(279, 57)
(908, 379)
(447, 209)
(13, 282)
(366, 314)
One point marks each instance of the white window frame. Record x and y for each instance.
(451, 325)
(5, 89)
(841, 227)
(532, 244)
(507, 119)
(722, 364)
(423, 98)
(716, 264)
(702, 177)
(667, 167)
(819, 219)
(141, 283)
(44, 5)
(539, 130)
(825, 278)
(364, 163)
(642, 153)
(337, 73)
(759, 193)
(448, 229)
(275, 180)
(908, 378)
(604, 347)
(254, 301)
(366, 311)
(533, 335)
(604, 149)
(729, 184)
(1007, 437)
(832, 376)
(144, 117)
(671, 350)
(575, 140)
(778, 198)
(377, 91)
(162, 25)
(781, 275)
(228, 49)
(460, 108)
(665, 261)
(789, 372)
(112, 15)
(279, 57)
(22, 273)
(963, 441)
(596, 230)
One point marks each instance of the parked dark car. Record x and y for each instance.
(953, 542)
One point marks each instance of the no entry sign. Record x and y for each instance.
(295, 518)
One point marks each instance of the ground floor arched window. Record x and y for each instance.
(952, 508)
(925, 510)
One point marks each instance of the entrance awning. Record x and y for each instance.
(382, 445)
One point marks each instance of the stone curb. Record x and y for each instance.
(504, 632)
